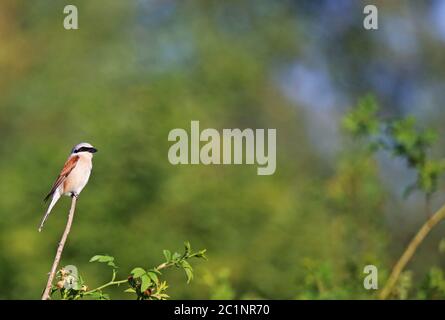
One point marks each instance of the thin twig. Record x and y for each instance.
(52, 274)
(111, 283)
(410, 250)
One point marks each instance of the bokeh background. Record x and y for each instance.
(137, 69)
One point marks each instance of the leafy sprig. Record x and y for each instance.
(144, 283)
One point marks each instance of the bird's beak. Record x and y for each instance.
(93, 150)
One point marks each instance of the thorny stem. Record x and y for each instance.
(111, 283)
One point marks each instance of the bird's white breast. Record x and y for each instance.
(78, 178)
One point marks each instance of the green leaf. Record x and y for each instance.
(130, 290)
(76, 286)
(167, 255)
(188, 270)
(201, 254)
(187, 246)
(189, 274)
(153, 276)
(102, 258)
(156, 271)
(186, 265)
(80, 280)
(138, 272)
(95, 295)
(176, 256)
(362, 120)
(162, 296)
(95, 258)
(104, 296)
(145, 282)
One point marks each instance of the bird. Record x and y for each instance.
(73, 177)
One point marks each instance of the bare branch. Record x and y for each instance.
(410, 250)
(46, 293)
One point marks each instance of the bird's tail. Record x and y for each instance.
(55, 198)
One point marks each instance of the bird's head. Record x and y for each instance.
(83, 147)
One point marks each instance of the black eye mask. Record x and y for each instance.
(86, 149)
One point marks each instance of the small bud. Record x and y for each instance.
(147, 292)
(60, 284)
(64, 272)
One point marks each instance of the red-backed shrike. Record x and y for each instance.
(73, 177)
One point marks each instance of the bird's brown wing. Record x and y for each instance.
(70, 164)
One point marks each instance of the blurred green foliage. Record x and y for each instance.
(362, 121)
(403, 139)
(400, 137)
(131, 73)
